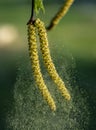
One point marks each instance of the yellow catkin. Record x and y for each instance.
(61, 13)
(47, 58)
(33, 52)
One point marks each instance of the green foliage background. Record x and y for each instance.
(76, 33)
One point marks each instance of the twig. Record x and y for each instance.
(31, 20)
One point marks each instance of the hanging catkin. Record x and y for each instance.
(63, 10)
(36, 67)
(47, 58)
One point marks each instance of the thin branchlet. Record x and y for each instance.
(61, 13)
(31, 20)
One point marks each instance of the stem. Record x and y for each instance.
(32, 9)
(31, 20)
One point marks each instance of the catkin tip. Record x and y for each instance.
(68, 97)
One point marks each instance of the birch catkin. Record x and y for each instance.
(63, 10)
(36, 67)
(47, 59)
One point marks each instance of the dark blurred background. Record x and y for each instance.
(77, 31)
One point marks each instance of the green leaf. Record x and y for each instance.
(39, 6)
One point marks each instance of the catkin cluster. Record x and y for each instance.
(39, 26)
(48, 60)
(33, 52)
(63, 10)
